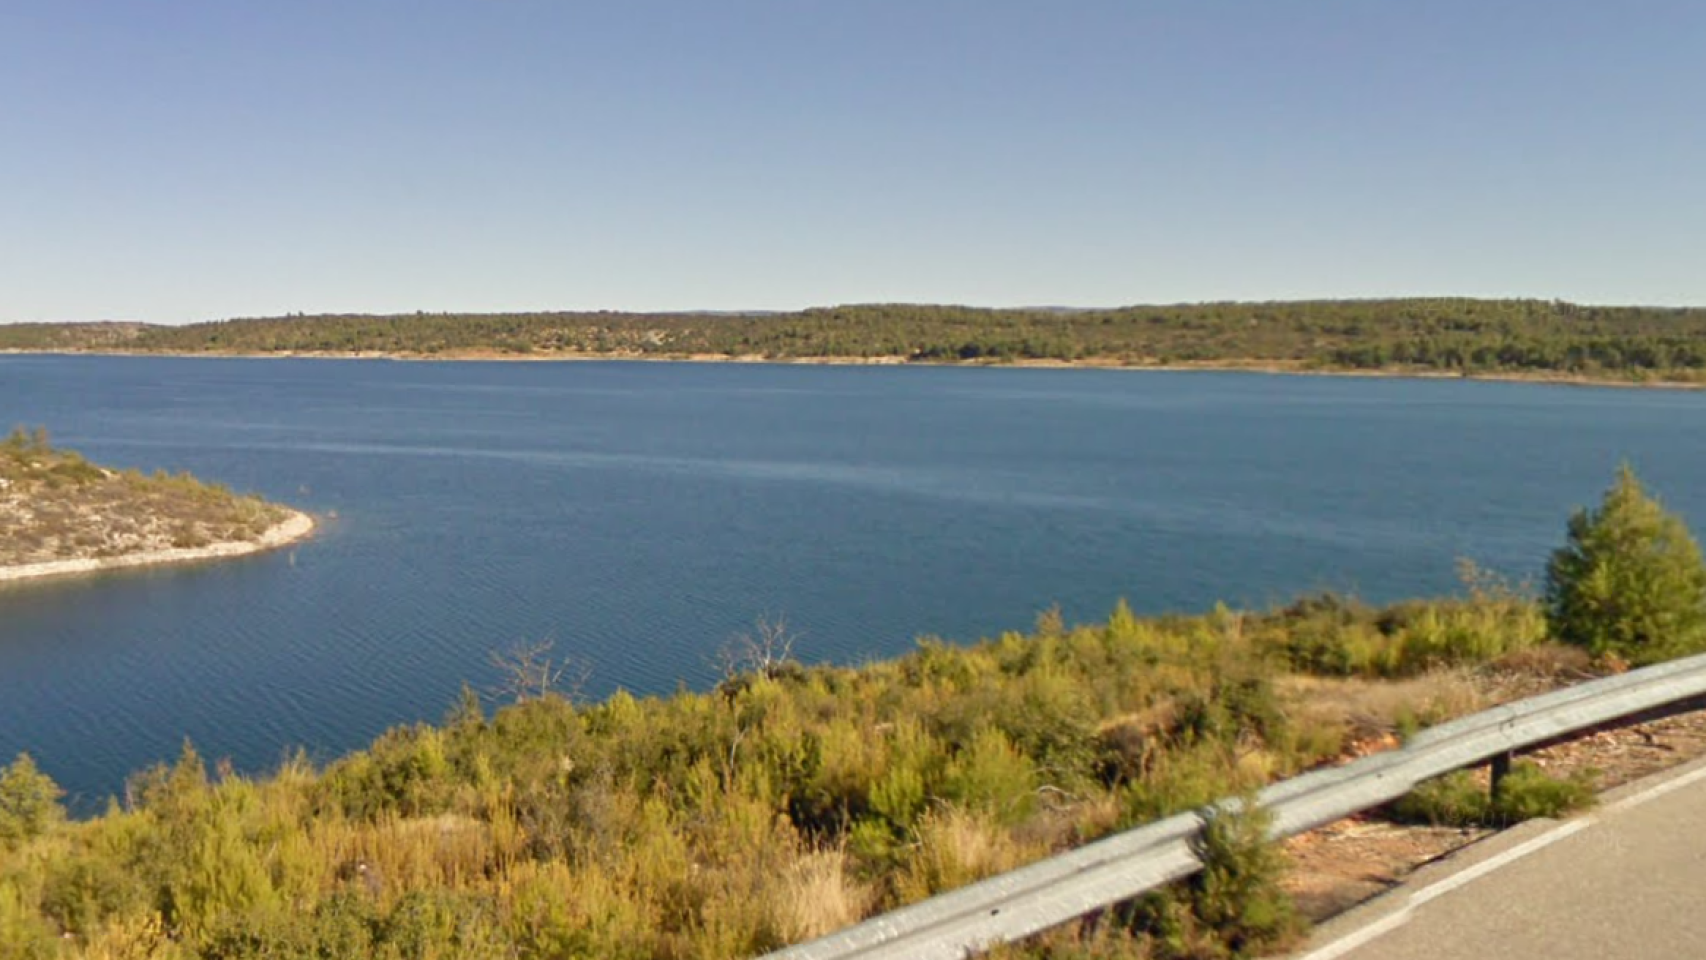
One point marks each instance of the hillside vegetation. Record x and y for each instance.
(791, 800)
(1450, 335)
(787, 802)
(55, 505)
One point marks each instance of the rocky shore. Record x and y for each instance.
(295, 527)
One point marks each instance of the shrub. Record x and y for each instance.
(1454, 800)
(23, 935)
(221, 876)
(1233, 907)
(442, 925)
(1526, 793)
(1318, 632)
(990, 775)
(1238, 895)
(81, 891)
(29, 802)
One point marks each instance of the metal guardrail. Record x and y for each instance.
(1048, 893)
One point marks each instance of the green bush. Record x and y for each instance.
(29, 802)
(83, 890)
(1234, 907)
(1454, 800)
(441, 925)
(1238, 895)
(1526, 793)
(993, 776)
(23, 934)
(1319, 634)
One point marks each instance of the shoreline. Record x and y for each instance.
(1271, 367)
(292, 529)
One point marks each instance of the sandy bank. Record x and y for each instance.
(293, 528)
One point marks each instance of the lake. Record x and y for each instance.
(639, 515)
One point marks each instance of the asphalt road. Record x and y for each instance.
(1628, 880)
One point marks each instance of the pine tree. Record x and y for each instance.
(1629, 580)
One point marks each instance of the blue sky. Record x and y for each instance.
(178, 161)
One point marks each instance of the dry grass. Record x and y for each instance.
(956, 848)
(1372, 714)
(819, 896)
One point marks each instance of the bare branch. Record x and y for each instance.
(527, 671)
(763, 651)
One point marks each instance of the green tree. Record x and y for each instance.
(29, 802)
(1629, 580)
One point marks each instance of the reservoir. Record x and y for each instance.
(639, 515)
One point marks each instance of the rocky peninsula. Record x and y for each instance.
(62, 515)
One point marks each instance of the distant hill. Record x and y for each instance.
(1444, 335)
(70, 336)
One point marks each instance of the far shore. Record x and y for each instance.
(293, 528)
(1276, 367)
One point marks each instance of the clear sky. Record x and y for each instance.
(185, 160)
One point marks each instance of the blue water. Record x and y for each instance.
(639, 515)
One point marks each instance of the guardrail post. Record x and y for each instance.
(1501, 768)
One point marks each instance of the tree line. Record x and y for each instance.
(1453, 335)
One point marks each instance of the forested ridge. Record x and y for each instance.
(1450, 335)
